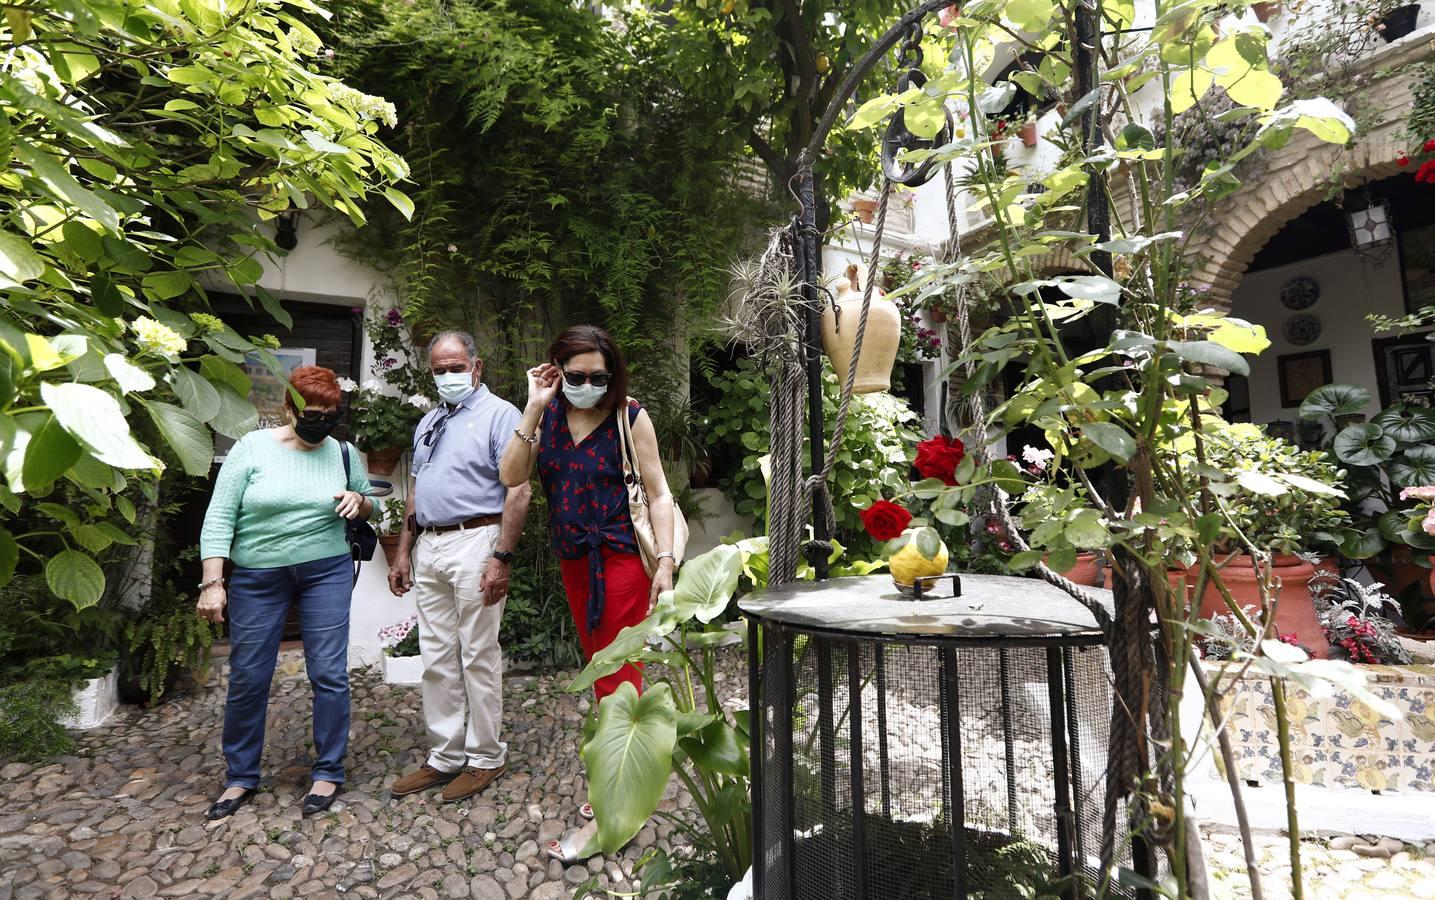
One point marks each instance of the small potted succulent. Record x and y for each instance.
(402, 662)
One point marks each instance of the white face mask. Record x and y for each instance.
(583, 396)
(454, 387)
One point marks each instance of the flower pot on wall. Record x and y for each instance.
(1027, 133)
(864, 209)
(879, 343)
(1087, 570)
(1295, 613)
(390, 543)
(1398, 22)
(383, 462)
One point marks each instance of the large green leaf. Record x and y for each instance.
(75, 577)
(707, 583)
(19, 262)
(1408, 424)
(58, 178)
(1414, 468)
(623, 649)
(95, 419)
(222, 371)
(49, 452)
(237, 416)
(1334, 400)
(629, 759)
(1209, 353)
(186, 435)
(716, 748)
(1363, 445)
(1364, 544)
(9, 556)
(127, 375)
(1111, 438)
(196, 394)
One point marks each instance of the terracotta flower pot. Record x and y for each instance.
(865, 210)
(383, 462)
(1294, 610)
(1266, 11)
(879, 343)
(1027, 133)
(1087, 570)
(1401, 573)
(390, 543)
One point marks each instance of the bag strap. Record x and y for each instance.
(629, 450)
(344, 451)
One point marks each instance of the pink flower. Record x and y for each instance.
(394, 317)
(1419, 493)
(1428, 526)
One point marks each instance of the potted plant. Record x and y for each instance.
(1027, 132)
(391, 522)
(163, 644)
(1280, 502)
(401, 661)
(385, 411)
(865, 209)
(1055, 511)
(1383, 458)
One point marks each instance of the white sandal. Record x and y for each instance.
(569, 851)
(586, 811)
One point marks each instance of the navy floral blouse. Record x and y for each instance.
(587, 500)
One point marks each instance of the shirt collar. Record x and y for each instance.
(472, 400)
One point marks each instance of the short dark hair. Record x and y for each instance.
(592, 339)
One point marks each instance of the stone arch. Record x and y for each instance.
(1299, 179)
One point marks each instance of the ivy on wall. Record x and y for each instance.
(561, 177)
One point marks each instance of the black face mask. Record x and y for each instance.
(313, 429)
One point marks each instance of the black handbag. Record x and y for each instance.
(358, 532)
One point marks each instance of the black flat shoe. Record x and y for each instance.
(223, 809)
(317, 803)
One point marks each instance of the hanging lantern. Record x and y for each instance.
(1372, 234)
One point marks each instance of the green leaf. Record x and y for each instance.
(91, 538)
(1096, 288)
(167, 285)
(127, 375)
(275, 309)
(197, 395)
(1257, 87)
(629, 760)
(1087, 531)
(1334, 400)
(50, 452)
(95, 419)
(1111, 438)
(126, 507)
(236, 417)
(1188, 87)
(1363, 445)
(19, 262)
(716, 748)
(1260, 483)
(222, 371)
(58, 178)
(1414, 468)
(9, 556)
(1363, 544)
(706, 583)
(106, 297)
(929, 543)
(1029, 15)
(75, 577)
(186, 435)
(1407, 424)
(401, 202)
(1209, 353)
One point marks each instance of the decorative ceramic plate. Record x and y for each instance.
(1301, 330)
(1300, 292)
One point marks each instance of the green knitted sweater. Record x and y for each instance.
(274, 505)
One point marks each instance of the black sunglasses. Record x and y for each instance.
(316, 418)
(435, 434)
(599, 379)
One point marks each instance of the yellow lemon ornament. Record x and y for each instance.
(909, 562)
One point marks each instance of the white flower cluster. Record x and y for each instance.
(419, 401)
(348, 385)
(157, 337)
(365, 106)
(1036, 458)
(304, 41)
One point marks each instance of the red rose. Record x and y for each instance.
(885, 520)
(1430, 146)
(1426, 172)
(939, 457)
(1402, 160)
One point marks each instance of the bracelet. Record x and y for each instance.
(666, 555)
(206, 585)
(526, 438)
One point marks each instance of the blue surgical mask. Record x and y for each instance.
(583, 396)
(454, 387)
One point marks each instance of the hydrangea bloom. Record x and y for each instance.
(365, 106)
(158, 337)
(348, 385)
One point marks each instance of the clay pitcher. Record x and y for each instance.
(879, 343)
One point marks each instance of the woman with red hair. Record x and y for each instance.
(278, 514)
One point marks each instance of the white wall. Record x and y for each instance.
(1350, 289)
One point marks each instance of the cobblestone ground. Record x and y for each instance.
(123, 816)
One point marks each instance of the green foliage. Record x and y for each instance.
(563, 178)
(29, 711)
(874, 459)
(163, 641)
(143, 145)
(678, 724)
(537, 625)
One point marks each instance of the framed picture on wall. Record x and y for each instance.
(1403, 365)
(267, 390)
(1301, 373)
(1417, 266)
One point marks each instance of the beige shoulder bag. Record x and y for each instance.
(638, 501)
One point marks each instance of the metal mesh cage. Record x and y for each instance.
(966, 783)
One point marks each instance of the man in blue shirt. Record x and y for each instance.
(460, 528)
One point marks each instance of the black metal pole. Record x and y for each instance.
(757, 757)
(882, 762)
(859, 791)
(951, 705)
(1060, 761)
(810, 268)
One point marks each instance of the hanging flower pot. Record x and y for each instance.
(1398, 22)
(390, 543)
(879, 343)
(1295, 613)
(1027, 133)
(1266, 11)
(383, 462)
(864, 209)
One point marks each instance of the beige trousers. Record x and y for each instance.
(458, 640)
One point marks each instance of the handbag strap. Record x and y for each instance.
(344, 452)
(629, 450)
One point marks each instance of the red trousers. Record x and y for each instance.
(625, 602)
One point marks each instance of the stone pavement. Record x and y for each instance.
(123, 817)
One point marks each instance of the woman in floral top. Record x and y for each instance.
(573, 438)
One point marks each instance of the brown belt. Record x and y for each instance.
(475, 522)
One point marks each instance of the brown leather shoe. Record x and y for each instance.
(421, 779)
(470, 782)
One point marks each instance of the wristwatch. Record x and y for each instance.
(503, 556)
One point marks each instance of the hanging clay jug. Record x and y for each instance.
(879, 343)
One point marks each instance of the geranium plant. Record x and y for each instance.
(385, 411)
(401, 638)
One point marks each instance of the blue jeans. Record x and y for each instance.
(258, 604)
